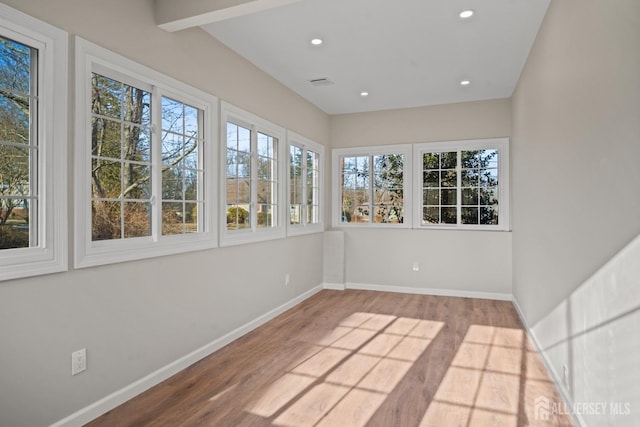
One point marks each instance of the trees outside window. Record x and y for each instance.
(33, 146)
(253, 187)
(373, 186)
(141, 150)
(462, 184)
(18, 144)
(305, 185)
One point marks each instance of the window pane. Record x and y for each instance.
(313, 214)
(448, 179)
(173, 116)
(172, 145)
(266, 168)
(266, 146)
(488, 158)
(449, 215)
(469, 215)
(172, 184)
(106, 220)
(431, 215)
(106, 139)
(191, 154)
(136, 105)
(14, 223)
(106, 97)
(448, 197)
(431, 179)
(431, 197)
(106, 179)
(125, 139)
(265, 216)
(244, 165)
(489, 215)
(244, 139)
(470, 178)
(137, 181)
(238, 216)
(489, 177)
(18, 164)
(469, 159)
(448, 160)
(192, 180)
(137, 219)
(266, 192)
(430, 161)
(489, 196)
(14, 116)
(469, 196)
(172, 218)
(295, 214)
(349, 164)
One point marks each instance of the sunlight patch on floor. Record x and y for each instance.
(348, 373)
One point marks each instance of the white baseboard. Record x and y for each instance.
(334, 286)
(117, 398)
(555, 377)
(430, 291)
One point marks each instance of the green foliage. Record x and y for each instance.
(12, 237)
(237, 214)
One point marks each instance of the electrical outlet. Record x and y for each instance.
(287, 279)
(565, 371)
(78, 361)
(416, 266)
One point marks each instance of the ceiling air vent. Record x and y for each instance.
(321, 82)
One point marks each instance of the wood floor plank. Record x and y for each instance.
(359, 358)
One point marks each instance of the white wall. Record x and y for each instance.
(575, 151)
(385, 257)
(136, 317)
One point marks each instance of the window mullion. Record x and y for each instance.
(303, 195)
(253, 200)
(201, 208)
(458, 187)
(371, 190)
(156, 164)
(36, 233)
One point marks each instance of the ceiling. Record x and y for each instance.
(404, 53)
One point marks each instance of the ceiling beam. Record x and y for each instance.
(176, 15)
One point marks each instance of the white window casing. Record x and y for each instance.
(47, 250)
(90, 59)
(253, 228)
(304, 226)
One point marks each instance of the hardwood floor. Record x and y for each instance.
(359, 358)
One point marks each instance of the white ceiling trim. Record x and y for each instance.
(174, 15)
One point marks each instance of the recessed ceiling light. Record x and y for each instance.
(316, 41)
(364, 93)
(465, 82)
(466, 14)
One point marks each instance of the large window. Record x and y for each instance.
(253, 182)
(144, 150)
(462, 184)
(448, 185)
(372, 186)
(33, 117)
(305, 185)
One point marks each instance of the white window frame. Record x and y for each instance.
(499, 144)
(231, 113)
(404, 149)
(294, 139)
(50, 254)
(92, 58)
